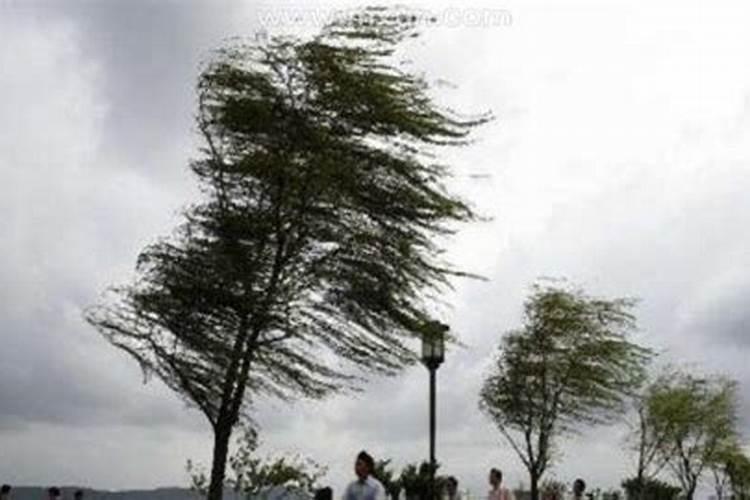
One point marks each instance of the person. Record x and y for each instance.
(579, 487)
(5, 492)
(497, 492)
(54, 493)
(451, 489)
(325, 493)
(365, 487)
(78, 495)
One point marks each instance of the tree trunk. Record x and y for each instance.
(232, 398)
(640, 493)
(534, 488)
(690, 493)
(222, 434)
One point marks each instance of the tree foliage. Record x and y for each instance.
(255, 476)
(738, 470)
(570, 364)
(415, 480)
(721, 465)
(387, 477)
(312, 256)
(699, 415)
(647, 438)
(551, 489)
(649, 488)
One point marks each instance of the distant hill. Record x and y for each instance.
(37, 493)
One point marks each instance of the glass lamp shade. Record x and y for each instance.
(433, 344)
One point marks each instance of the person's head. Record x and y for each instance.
(54, 493)
(78, 495)
(579, 486)
(325, 493)
(364, 465)
(451, 484)
(5, 490)
(496, 477)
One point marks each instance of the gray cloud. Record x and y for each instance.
(150, 54)
(609, 166)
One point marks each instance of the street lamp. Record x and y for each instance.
(433, 354)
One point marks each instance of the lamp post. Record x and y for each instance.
(433, 354)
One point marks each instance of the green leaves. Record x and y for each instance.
(386, 475)
(649, 489)
(570, 364)
(309, 258)
(415, 479)
(698, 416)
(255, 476)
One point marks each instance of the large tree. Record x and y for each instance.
(311, 257)
(700, 415)
(571, 363)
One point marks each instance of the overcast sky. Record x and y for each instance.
(620, 159)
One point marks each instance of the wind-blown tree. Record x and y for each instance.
(312, 255)
(721, 466)
(738, 469)
(647, 438)
(700, 416)
(570, 364)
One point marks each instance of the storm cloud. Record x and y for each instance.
(620, 158)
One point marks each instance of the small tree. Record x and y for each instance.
(570, 364)
(699, 415)
(255, 477)
(649, 489)
(386, 475)
(612, 494)
(415, 480)
(552, 489)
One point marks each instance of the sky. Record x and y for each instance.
(619, 158)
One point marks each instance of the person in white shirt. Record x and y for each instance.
(451, 489)
(365, 487)
(497, 492)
